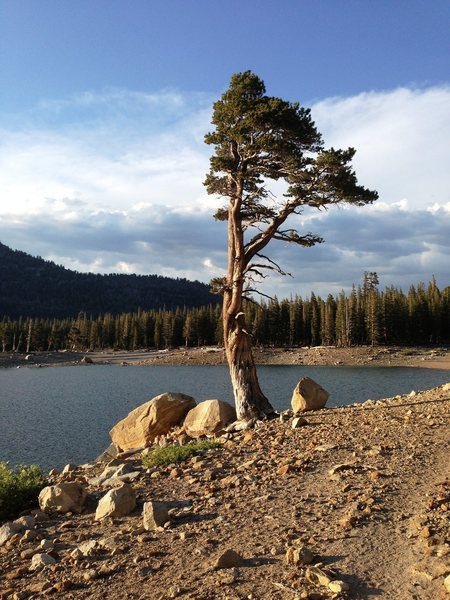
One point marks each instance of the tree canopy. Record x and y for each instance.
(259, 138)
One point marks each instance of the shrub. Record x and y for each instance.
(177, 454)
(19, 489)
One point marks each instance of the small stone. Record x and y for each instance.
(16, 573)
(155, 514)
(76, 554)
(317, 576)
(229, 559)
(90, 575)
(7, 531)
(298, 422)
(347, 522)
(41, 587)
(28, 536)
(41, 560)
(89, 547)
(338, 586)
(425, 532)
(69, 468)
(284, 469)
(299, 556)
(28, 553)
(447, 583)
(46, 545)
(62, 586)
(25, 522)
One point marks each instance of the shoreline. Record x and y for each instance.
(385, 356)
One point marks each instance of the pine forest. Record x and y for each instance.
(365, 316)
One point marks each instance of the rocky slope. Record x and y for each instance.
(359, 495)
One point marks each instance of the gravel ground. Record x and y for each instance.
(365, 489)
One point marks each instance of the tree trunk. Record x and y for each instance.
(250, 401)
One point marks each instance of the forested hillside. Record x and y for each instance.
(365, 316)
(34, 287)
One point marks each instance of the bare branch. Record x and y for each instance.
(255, 291)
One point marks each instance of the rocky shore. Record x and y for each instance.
(352, 503)
(438, 358)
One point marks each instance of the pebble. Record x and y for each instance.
(42, 560)
(228, 559)
(338, 586)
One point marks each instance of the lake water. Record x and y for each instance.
(53, 416)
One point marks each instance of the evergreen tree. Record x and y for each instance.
(257, 139)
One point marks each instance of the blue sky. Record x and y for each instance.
(104, 105)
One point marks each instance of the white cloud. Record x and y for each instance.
(401, 139)
(113, 182)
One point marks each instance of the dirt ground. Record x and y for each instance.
(364, 488)
(438, 358)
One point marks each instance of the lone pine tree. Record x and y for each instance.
(258, 139)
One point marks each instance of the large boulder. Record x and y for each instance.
(209, 417)
(308, 395)
(146, 422)
(62, 497)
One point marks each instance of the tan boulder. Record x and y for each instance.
(155, 514)
(62, 497)
(308, 395)
(209, 417)
(118, 502)
(146, 422)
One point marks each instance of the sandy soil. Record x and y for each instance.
(365, 488)
(438, 358)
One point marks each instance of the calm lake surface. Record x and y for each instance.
(53, 416)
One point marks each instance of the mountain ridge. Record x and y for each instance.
(31, 286)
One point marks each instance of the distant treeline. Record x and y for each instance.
(365, 316)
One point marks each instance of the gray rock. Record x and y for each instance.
(110, 453)
(89, 547)
(26, 522)
(155, 514)
(46, 545)
(117, 481)
(69, 468)
(7, 531)
(41, 560)
(298, 422)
